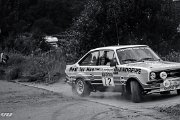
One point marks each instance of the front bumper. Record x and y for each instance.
(159, 85)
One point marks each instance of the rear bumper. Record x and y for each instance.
(70, 80)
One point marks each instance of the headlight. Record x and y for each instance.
(152, 75)
(166, 83)
(163, 75)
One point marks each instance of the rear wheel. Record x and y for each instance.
(81, 88)
(136, 92)
(178, 91)
(165, 93)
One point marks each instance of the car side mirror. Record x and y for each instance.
(113, 62)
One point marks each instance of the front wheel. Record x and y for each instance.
(136, 92)
(81, 88)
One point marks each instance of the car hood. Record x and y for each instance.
(156, 65)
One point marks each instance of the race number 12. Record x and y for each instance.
(108, 81)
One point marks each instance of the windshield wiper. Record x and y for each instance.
(143, 59)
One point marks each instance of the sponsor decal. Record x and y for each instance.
(89, 69)
(105, 74)
(107, 78)
(73, 69)
(83, 69)
(116, 70)
(128, 70)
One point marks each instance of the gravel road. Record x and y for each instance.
(55, 102)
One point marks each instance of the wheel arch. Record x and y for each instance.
(83, 78)
(83, 92)
(128, 83)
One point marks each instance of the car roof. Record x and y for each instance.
(117, 47)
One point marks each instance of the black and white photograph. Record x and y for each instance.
(89, 59)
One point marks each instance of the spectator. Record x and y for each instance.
(4, 58)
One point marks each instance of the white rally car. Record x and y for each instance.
(134, 70)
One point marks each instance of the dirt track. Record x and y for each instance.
(28, 103)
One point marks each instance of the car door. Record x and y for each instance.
(107, 72)
(88, 65)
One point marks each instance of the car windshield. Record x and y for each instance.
(137, 54)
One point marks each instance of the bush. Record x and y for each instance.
(172, 56)
(16, 59)
(13, 73)
(48, 67)
(2, 74)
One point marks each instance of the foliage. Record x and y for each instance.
(24, 23)
(35, 18)
(105, 23)
(47, 67)
(82, 30)
(14, 73)
(2, 74)
(16, 59)
(172, 56)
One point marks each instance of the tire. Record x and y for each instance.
(81, 88)
(136, 92)
(165, 93)
(178, 91)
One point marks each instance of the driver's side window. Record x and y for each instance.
(105, 57)
(90, 59)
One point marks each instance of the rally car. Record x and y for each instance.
(134, 70)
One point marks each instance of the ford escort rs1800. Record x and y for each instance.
(134, 70)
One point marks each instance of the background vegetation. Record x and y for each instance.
(86, 24)
(24, 23)
(150, 22)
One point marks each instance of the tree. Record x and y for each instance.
(48, 17)
(104, 23)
